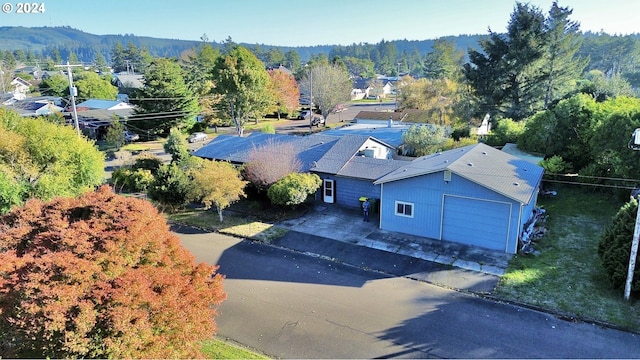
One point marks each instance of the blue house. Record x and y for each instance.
(237, 149)
(349, 168)
(475, 195)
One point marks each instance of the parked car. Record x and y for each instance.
(304, 101)
(197, 136)
(304, 115)
(130, 136)
(317, 120)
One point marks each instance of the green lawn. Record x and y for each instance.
(219, 349)
(567, 275)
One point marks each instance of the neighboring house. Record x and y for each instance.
(95, 115)
(37, 106)
(281, 68)
(379, 117)
(387, 88)
(109, 105)
(49, 73)
(474, 195)
(34, 71)
(360, 89)
(7, 99)
(20, 88)
(127, 82)
(389, 132)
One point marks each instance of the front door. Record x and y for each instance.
(329, 191)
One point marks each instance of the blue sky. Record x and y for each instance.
(316, 22)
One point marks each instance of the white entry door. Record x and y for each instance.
(328, 191)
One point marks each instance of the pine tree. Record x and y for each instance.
(165, 101)
(561, 67)
(615, 247)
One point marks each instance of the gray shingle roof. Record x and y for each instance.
(389, 135)
(503, 173)
(341, 160)
(369, 168)
(238, 149)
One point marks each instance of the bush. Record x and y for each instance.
(101, 276)
(554, 165)
(614, 248)
(507, 131)
(170, 187)
(148, 161)
(293, 189)
(268, 129)
(177, 146)
(131, 180)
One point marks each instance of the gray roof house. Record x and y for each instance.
(475, 195)
(237, 150)
(350, 167)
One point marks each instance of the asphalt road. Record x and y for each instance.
(350, 112)
(291, 305)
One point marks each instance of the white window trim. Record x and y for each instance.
(413, 209)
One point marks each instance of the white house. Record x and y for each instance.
(21, 88)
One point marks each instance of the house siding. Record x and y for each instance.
(349, 190)
(427, 193)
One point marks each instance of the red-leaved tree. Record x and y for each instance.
(285, 91)
(101, 276)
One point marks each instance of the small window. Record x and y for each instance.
(404, 209)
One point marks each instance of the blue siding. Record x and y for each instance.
(349, 190)
(476, 222)
(427, 194)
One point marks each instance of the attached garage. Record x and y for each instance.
(474, 195)
(486, 221)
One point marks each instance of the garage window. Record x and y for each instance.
(404, 209)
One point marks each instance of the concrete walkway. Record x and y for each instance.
(346, 225)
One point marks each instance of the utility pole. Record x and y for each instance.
(72, 94)
(4, 90)
(632, 256)
(311, 112)
(633, 144)
(397, 83)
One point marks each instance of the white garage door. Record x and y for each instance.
(476, 222)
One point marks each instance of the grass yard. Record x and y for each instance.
(234, 223)
(567, 275)
(219, 349)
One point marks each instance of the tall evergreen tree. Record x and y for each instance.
(506, 74)
(118, 55)
(444, 62)
(165, 101)
(561, 66)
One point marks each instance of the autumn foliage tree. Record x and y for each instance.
(215, 183)
(101, 276)
(271, 162)
(285, 91)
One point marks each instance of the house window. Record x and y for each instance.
(404, 209)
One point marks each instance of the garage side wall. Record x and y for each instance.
(426, 195)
